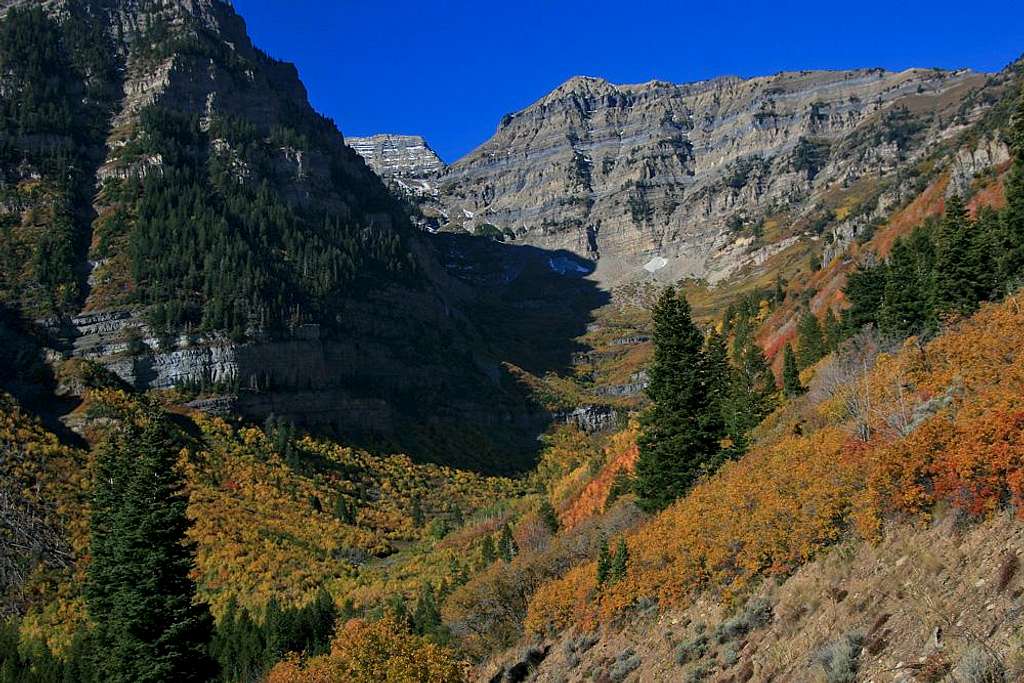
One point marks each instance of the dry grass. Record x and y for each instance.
(924, 600)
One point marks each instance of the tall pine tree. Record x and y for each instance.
(865, 290)
(811, 340)
(682, 429)
(751, 393)
(907, 302)
(791, 385)
(139, 593)
(1011, 265)
(955, 278)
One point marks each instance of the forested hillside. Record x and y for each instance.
(172, 208)
(255, 427)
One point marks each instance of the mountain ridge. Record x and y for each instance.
(635, 175)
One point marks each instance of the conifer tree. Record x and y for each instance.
(1012, 261)
(779, 295)
(507, 547)
(720, 380)
(619, 562)
(426, 618)
(791, 385)
(811, 340)
(985, 250)
(548, 515)
(832, 330)
(138, 591)
(865, 290)
(906, 306)
(604, 563)
(683, 427)
(488, 554)
(955, 279)
(751, 396)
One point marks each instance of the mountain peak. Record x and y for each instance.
(393, 156)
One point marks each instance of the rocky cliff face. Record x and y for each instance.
(397, 156)
(674, 181)
(321, 303)
(405, 162)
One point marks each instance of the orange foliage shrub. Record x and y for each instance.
(621, 454)
(379, 652)
(947, 425)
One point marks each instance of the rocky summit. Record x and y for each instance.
(397, 156)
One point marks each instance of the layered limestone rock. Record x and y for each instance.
(397, 156)
(653, 180)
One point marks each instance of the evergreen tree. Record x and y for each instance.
(416, 513)
(547, 514)
(426, 617)
(865, 290)
(488, 553)
(507, 547)
(791, 385)
(955, 278)
(278, 626)
(779, 295)
(683, 427)
(396, 607)
(985, 249)
(1011, 263)
(716, 359)
(344, 510)
(832, 330)
(619, 562)
(907, 303)
(604, 563)
(751, 395)
(138, 591)
(811, 340)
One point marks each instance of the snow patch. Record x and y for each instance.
(655, 264)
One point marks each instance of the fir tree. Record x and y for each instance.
(682, 429)
(1011, 263)
(507, 547)
(426, 617)
(779, 295)
(985, 249)
(416, 513)
(751, 395)
(811, 340)
(604, 562)
(865, 290)
(832, 330)
(344, 510)
(955, 279)
(138, 591)
(619, 562)
(719, 373)
(791, 385)
(488, 553)
(906, 306)
(548, 516)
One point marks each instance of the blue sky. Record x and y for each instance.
(449, 69)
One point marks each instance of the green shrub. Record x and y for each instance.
(692, 650)
(841, 659)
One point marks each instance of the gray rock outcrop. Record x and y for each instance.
(666, 181)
